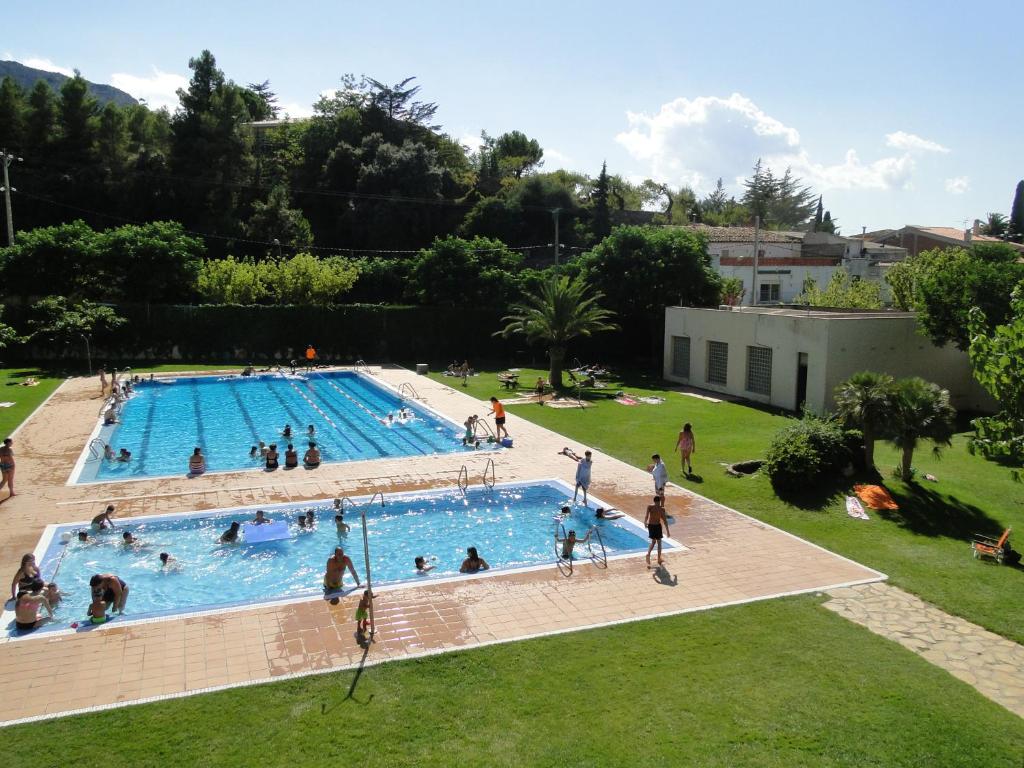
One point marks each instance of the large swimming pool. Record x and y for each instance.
(511, 525)
(225, 416)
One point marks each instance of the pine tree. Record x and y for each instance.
(827, 224)
(817, 216)
(42, 116)
(12, 117)
(602, 225)
(717, 200)
(1017, 214)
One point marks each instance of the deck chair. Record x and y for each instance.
(986, 546)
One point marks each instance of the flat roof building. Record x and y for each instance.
(790, 357)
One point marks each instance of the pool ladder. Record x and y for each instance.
(405, 389)
(598, 557)
(97, 449)
(488, 480)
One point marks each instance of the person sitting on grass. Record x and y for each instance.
(312, 457)
(473, 562)
(196, 462)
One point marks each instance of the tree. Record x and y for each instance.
(227, 281)
(921, 411)
(780, 202)
(517, 154)
(717, 200)
(12, 115)
(818, 216)
(457, 272)
(261, 101)
(995, 356)
(900, 278)
(995, 225)
(828, 224)
(274, 220)
(1016, 227)
(78, 112)
(41, 121)
(7, 334)
(60, 322)
(563, 309)
(305, 279)
(842, 291)
(601, 224)
(866, 400)
(151, 263)
(948, 283)
(732, 291)
(112, 140)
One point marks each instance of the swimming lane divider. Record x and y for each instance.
(355, 428)
(339, 430)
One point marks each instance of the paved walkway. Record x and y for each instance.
(983, 659)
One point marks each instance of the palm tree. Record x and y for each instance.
(562, 310)
(921, 411)
(995, 225)
(866, 399)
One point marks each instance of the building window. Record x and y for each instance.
(769, 292)
(760, 253)
(759, 370)
(681, 356)
(718, 362)
(725, 253)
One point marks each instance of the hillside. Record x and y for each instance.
(26, 78)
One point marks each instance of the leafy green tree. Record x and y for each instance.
(275, 220)
(901, 278)
(78, 112)
(920, 411)
(460, 272)
(828, 224)
(60, 322)
(41, 121)
(1016, 226)
(601, 224)
(12, 115)
(7, 334)
(305, 279)
(948, 283)
(260, 101)
(819, 217)
(842, 291)
(995, 225)
(716, 201)
(780, 202)
(62, 259)
(150, 263)
(563, 309)
(112, 140)
(996, 355)
(517, 153)
(865, 400)
(231, 281)
(732, 291)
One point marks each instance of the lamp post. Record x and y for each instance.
(88, 353)
(277, 243)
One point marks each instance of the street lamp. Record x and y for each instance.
(88, 353)
(277, 242)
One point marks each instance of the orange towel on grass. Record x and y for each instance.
(875, 497)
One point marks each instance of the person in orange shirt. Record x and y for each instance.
(499, 418)
(310, 356)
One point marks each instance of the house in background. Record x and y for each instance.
(786, 259)
(790, 357)
(916, 239)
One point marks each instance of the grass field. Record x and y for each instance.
(923, 546)
(777, 684)
(25, 399)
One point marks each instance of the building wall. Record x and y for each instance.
(836, 347)
(780, 264)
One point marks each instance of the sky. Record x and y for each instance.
(898, 112)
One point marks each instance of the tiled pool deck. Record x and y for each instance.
(729, 558)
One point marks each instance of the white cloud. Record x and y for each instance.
(294, 110)
(958, 185)
(470, 140)
(911, 142)
(158, 89)
(553, 159)
(37, 62)
(695, 141)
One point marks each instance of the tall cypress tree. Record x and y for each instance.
(602, 224)
(12, 115)
(1017, 214)
(817, 216)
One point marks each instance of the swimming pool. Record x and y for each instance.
(226, 415)
(511, 525)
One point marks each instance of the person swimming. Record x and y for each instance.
(260, 518)
(230, 536)
(607, 514)
(422, 566)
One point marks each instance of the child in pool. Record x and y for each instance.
(97, 612)
(422, 566)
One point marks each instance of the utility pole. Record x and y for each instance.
(555, 212)
(757, 245)
(8, 158)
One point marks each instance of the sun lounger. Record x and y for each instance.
(986, 546)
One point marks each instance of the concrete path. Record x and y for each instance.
(983, 659)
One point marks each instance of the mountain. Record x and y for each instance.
(26, 78)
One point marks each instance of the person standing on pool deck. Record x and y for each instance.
(310, 356)
(103, 380)
(655, 520)
(687, 446)
(499, 418)
(659, 472)
(334, 576)
(7, 465)
(583, 466)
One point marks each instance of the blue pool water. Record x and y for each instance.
(163, 422)
(512, 527)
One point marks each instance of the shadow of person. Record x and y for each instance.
(663, 577)
(694, 478)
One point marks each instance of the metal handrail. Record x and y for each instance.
(408, 390)
(94, 452)
(494, 478)
(485, 427)
(463, 478)
(602, 560)
(344, 499)
(374, 498)
(366, 556)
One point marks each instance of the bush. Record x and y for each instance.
(807, 454)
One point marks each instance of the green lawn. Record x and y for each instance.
(923, 547)
(25, 399)
(783, 683)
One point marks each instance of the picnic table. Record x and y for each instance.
(509, 380)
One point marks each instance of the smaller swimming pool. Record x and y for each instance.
(512, 526)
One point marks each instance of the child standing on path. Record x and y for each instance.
(687, 446)
(363, 612)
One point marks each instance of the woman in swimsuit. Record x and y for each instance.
(473, 562)
(312, 457)
(291, 457)
(687, 446)
(26, 576)
(26, 609)
(197, 462)
(7, 465)
(272, 456)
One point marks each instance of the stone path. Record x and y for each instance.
(983, 659)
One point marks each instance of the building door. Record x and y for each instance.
(801, 380)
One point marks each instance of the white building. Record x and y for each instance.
(786, 259)
(789, 357)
